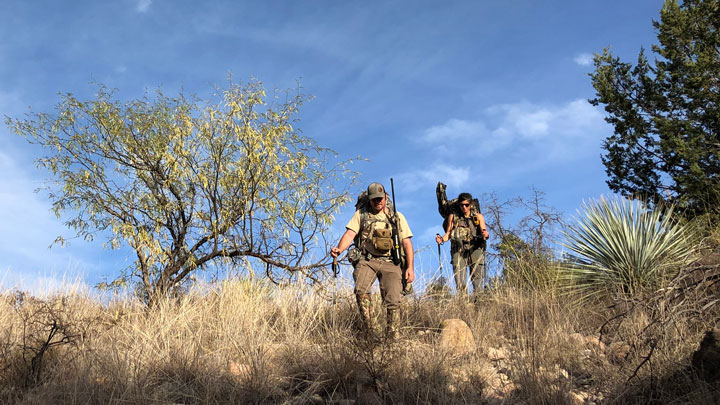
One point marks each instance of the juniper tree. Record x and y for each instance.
(666, 113)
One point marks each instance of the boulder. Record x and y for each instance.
(456, 337)
(617, 352)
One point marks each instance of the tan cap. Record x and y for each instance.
(376, 190)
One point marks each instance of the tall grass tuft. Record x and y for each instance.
(248, 341)
(623, 246)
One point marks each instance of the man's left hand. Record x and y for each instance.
(410, 275)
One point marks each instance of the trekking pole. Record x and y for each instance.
(335, 274)
(440, 259)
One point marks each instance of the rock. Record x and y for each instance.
(577, 338)
(456, 337)
(617, 352)
(496, 354)
(706, 360)
(594, 341)
(494, 383)
(577, 398)
(507, 389)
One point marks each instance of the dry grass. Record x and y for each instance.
(251, 342)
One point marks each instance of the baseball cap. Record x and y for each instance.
(376, 190)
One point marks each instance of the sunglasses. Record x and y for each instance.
(465, 205)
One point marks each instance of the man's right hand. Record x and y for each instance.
(334, 252)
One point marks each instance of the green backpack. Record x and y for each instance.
(363, 205)
(445, 207)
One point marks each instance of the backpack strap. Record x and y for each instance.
(363, 220)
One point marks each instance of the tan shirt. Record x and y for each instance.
(403, 228)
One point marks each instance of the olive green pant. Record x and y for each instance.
(389, 275)
(473, 259)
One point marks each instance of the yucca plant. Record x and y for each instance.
(621, 245)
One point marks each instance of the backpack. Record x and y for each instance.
(363, 202)
(363, 205)
(445, 207)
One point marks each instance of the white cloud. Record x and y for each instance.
(454, 130)
(512, 126)
(143, 6)
(583, 59)
(508, 140)
(461, 137)
(428, 177)
(524, 119)
(531, 122)
(29, 228)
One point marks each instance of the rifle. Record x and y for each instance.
(397, 256)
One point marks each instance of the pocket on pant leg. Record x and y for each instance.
(364, 277)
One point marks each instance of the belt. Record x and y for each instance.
(369, 256)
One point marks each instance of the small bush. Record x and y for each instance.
(622, 246)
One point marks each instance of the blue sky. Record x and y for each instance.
(484, 96)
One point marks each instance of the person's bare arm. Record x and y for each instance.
(440, 239)
(409, 259)
(483, 227)
(345, 241)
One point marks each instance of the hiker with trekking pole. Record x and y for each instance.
(382, 250)
(466, 230)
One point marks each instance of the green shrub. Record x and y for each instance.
(619, 245)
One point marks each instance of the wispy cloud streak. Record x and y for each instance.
(548, 127)
(584, 59)
(143, 6)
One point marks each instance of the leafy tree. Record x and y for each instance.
(186, 184)
(666, 114)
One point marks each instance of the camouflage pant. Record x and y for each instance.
(389, 275)
(474, 259)
(366, 271)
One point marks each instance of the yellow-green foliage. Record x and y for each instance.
(185, 183)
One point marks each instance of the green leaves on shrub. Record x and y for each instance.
(619, 245)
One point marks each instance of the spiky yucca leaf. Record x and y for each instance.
(619, 245)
